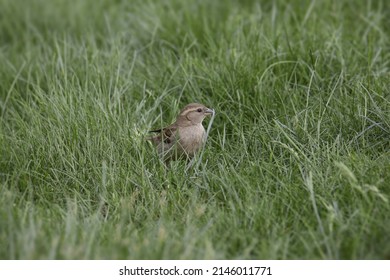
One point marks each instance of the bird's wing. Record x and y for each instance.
(166, 135)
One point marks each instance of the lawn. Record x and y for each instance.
(297, 163)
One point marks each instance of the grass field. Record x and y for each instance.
(297, 165)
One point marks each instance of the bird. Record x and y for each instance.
(185, 137)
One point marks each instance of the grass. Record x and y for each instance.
(297, 165)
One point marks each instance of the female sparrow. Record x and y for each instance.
(185, 137)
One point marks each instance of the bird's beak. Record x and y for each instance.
(209, 111)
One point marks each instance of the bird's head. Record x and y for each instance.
(194, 113)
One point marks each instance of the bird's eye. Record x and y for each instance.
(199, 110)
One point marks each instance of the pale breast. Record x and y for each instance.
(191, 139)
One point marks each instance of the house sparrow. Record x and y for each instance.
(185, 137)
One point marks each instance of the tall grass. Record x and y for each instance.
(297, 164)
